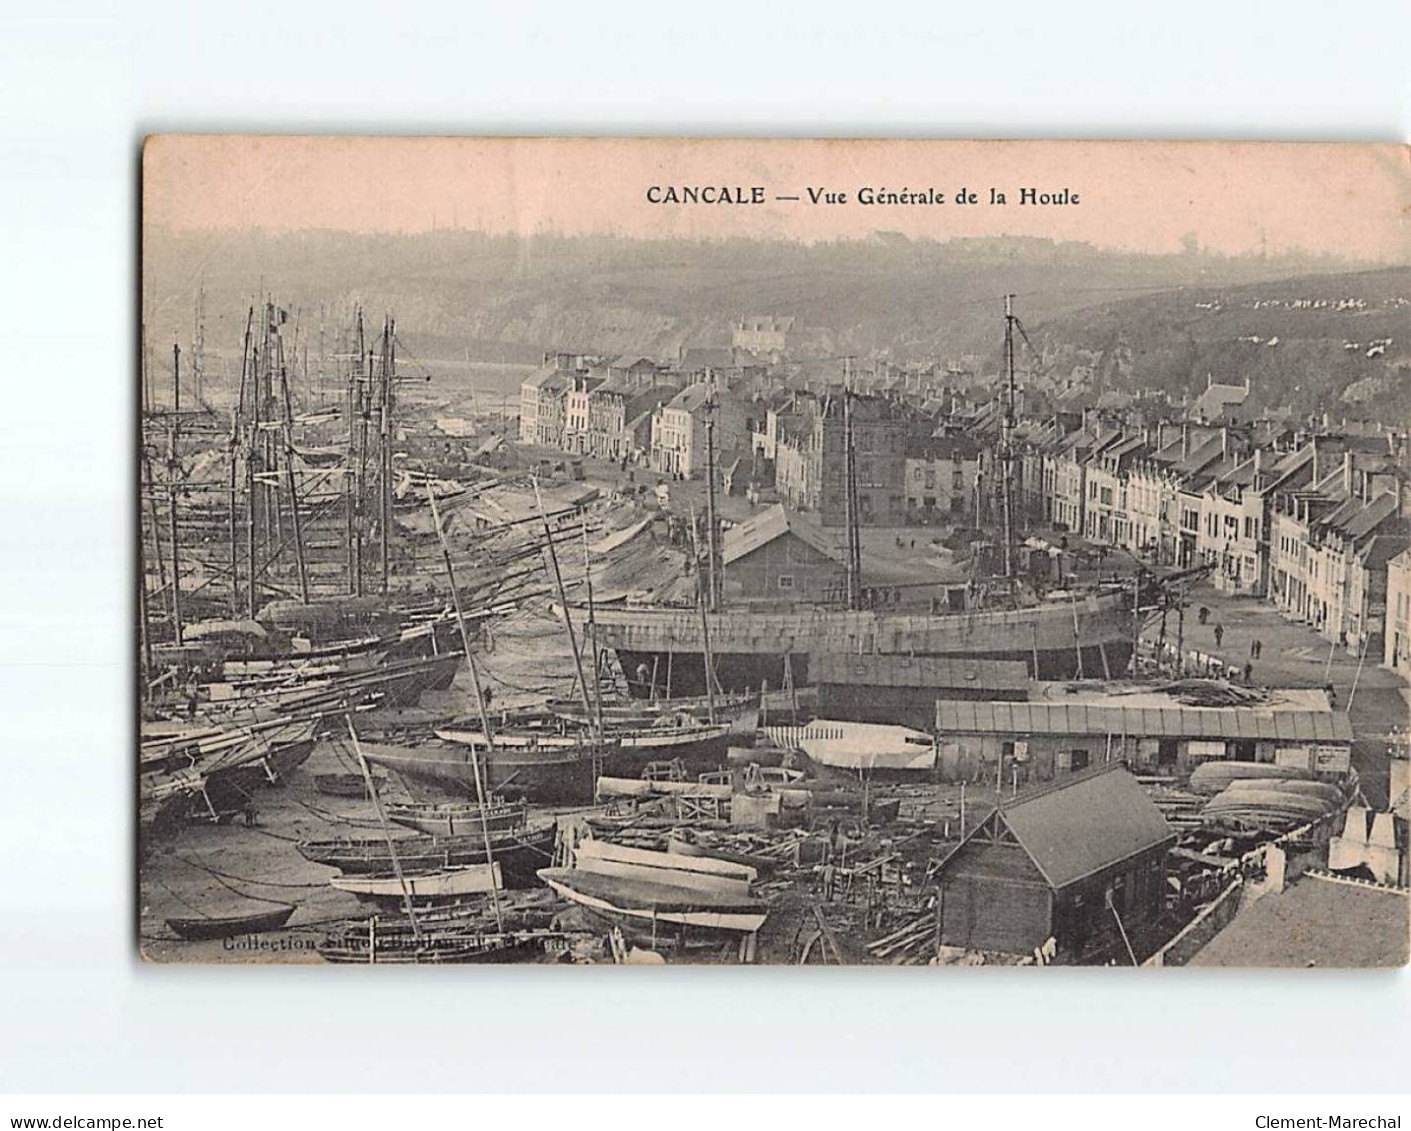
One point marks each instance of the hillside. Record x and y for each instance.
(462, 294)
(1337, 343)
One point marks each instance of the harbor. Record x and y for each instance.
(418, 686)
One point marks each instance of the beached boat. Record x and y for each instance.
(200, 927)
(451, 883)
(518, 852)
(459, 818)
(549, 774)
(751, 649)
(660, 898)
(859, 747)
(627, 747)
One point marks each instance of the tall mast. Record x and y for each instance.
(712, 532)
(293, 478)
(707, 657)
(349, 469)
(854, 557)
(592, 626)
(362, 382)
(234, 468)
(479, 704)
(174, 474)
(1007, 438)
(563, 600)
(385, 455)
(251, 459)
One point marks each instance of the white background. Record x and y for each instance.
(79, 85)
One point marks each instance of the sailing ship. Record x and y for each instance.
(1062, 635)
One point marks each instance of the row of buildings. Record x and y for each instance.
(1313, 519)
(773, 430)
(1307, 519)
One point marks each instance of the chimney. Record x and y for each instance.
(1258, 464)
(1314, 442)
(1225, 442)
(1185, 438)
(1347, 473)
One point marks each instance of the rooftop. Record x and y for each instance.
(1311, 923)
(1289, 716)
(765, 527)
(1084, 823)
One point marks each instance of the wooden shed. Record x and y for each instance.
(778, 556)
(1082, 862)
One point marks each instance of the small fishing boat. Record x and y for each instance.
(473, 879)
(194, 928)
(459, 818)
(519, 852)
(660, 898)
(542, 774)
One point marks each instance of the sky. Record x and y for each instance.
(1348, 200)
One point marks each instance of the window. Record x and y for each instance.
(786, 581)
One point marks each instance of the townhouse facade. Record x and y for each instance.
(941, 479)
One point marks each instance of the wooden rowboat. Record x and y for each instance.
(666, 899)
(228, 926)
(475, 879)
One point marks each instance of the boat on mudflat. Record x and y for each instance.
(451, 883)
(460, 818)
(517, 852)
(660, 898)
(628, 746)
(200, 927)
(541, 774)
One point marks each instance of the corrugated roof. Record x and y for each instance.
(1085, 823)
(919, 671)
(997, 717)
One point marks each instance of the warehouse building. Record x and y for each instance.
(1082, 862)
(1153, 731)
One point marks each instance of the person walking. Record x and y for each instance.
(1248, 672)
(1258, 649)
(1219, 634)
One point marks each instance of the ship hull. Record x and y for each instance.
(1090, 636)
(542, 776)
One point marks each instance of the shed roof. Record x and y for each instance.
(994, 717)
(1084, 823)
(765, 527)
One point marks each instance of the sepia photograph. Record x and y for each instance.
(772, 552)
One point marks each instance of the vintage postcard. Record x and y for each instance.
(598, 551)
